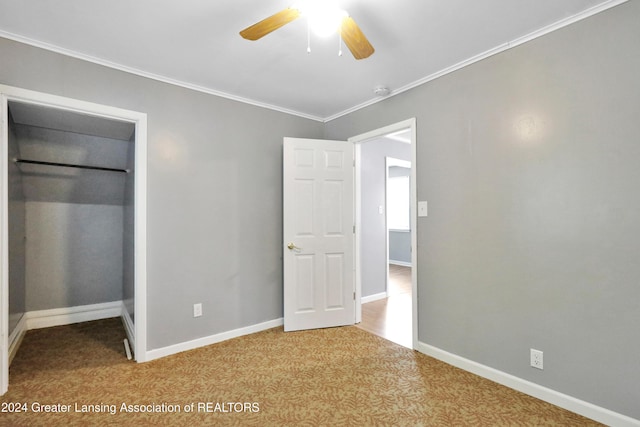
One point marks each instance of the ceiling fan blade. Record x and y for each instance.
(272, 23)
(355, 39)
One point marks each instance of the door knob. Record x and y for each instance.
(292, 246)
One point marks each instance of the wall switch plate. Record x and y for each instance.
(422, 208)
(536, 359)
(197, 310)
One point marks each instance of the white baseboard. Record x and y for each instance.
(129, 328)
(16, 336)
(567, 402)
(401, 263)
(69, 315)
(212, 339)
(374, 297)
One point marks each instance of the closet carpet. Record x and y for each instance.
(329, 377)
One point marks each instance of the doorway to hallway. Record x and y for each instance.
(390, 317)
(385, 281)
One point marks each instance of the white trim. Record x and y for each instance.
(562, 400)
(489, 52)
(414, 232)
(376, 133)
(10, 93)
(64, 316)
(70, 315)
(212, 339)
(129, 327)
(392, 161)
(400, 263)
(139, 339)
(374, 297)
(4, 245)
(69, 104)
(157, 77)
(16, 337)
(357, 141)
(20, 325)
(357, 238)
(135, 71)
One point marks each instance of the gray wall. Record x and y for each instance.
(73, 255)
(529, 161)
(69, 185)
(17, 234)
(373, 172)
(73, 219)
(214, 192)
(400, 247)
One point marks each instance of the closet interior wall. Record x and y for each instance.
(71, 230)
(17, 234)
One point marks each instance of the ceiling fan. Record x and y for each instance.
(331, 19)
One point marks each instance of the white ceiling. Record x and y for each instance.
(195, 43)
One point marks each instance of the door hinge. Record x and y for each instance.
(354, 229)
(354, 295)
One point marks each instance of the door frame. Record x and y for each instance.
(9, 93)
(357, 141)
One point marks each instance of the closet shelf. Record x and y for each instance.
(69, 165)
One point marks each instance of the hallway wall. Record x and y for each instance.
(374, 229)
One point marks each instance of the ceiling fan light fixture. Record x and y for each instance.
(325, 18)
(328, 20)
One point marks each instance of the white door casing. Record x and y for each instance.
(9, 93)
(318, 234)
(357, 141)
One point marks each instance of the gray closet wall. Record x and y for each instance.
(17, 234)
(73, 220)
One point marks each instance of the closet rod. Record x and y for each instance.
(69, 165)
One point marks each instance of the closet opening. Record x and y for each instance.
(72, 241)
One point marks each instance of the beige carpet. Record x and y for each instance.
(330, 377)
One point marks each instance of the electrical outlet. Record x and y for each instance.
(536, 359)
(197, 310)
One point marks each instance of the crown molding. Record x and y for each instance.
(490, 52)
(135, 71)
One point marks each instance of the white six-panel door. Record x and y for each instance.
(318, 209)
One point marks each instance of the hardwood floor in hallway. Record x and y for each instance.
(390, 317)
